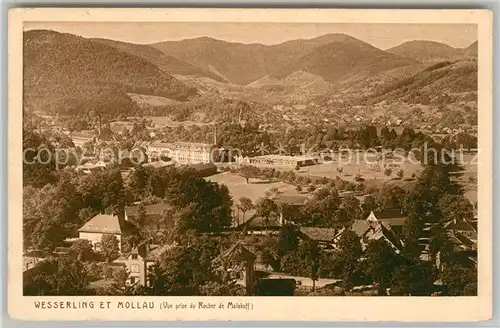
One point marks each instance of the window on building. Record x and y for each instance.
(134, 257)
(134, 268)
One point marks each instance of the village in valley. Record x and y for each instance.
(293, 185)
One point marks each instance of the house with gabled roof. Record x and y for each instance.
(325, 237)
(236, 254)
(154, 216)
(100, 225)
(373, 229)
(393, 219)
(466, 228)
(140, 259)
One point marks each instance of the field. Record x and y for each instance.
(368, 170)
(255, 189)
(164, 121)
(468, 177)
(238, 187)
(366, 166)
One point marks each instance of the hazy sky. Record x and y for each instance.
(382, 36)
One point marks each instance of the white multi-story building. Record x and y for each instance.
(279, 160)
(182, 152)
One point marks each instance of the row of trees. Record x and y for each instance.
(193, 267)
(55, 211)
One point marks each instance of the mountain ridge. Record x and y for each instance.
(243, 63)
(66, 73)
(431, 51)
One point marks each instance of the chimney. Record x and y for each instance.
(99, 124)
(215, 134)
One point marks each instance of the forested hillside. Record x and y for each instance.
(64, 73)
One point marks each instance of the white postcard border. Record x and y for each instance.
(400, 309)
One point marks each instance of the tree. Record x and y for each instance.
(460, 281)
(39, 167)
(311, 188)
(121, 276)
(456, 208)
(213, 288)
(156, 183)
(56, 277)
(210, 203)
(385, 135)
(95, 271)
(82, 249)
(245, 205)
(88, 148)
(390, 197)
(102, 191)
(313, 254)
(400, 173)
(359, 178)
(138, 180)
(351, 208)
(347, 264)
(129, 242)
(108, 272)
(110, 247)
(304, 261)
(440, 242)
(381, 261)
(340, 169)
(415, 278)
(120, 287)
(288, 239)
(87, 213)
(183, 270)
(388, 172)
(141, 215)
(322, 212)
(266, 208)
(298, 188)
(274, 191)
(350, 245)
(370, 204)
(49, 215)
(249, 171)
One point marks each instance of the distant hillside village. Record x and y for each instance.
(189, 218)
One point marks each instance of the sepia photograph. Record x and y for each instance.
(251, 158)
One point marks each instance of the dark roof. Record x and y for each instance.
(105, 282)
(290, 199)
(462, 240)
(461, 226)
(160, 164)
(103, 223)
(258, 221)
(238, 252)
(389, 234)
(396, 222)
(156, 251)
(203, 166)
(153, 209)
(389, 214)
(319, 234)
(360, 227)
